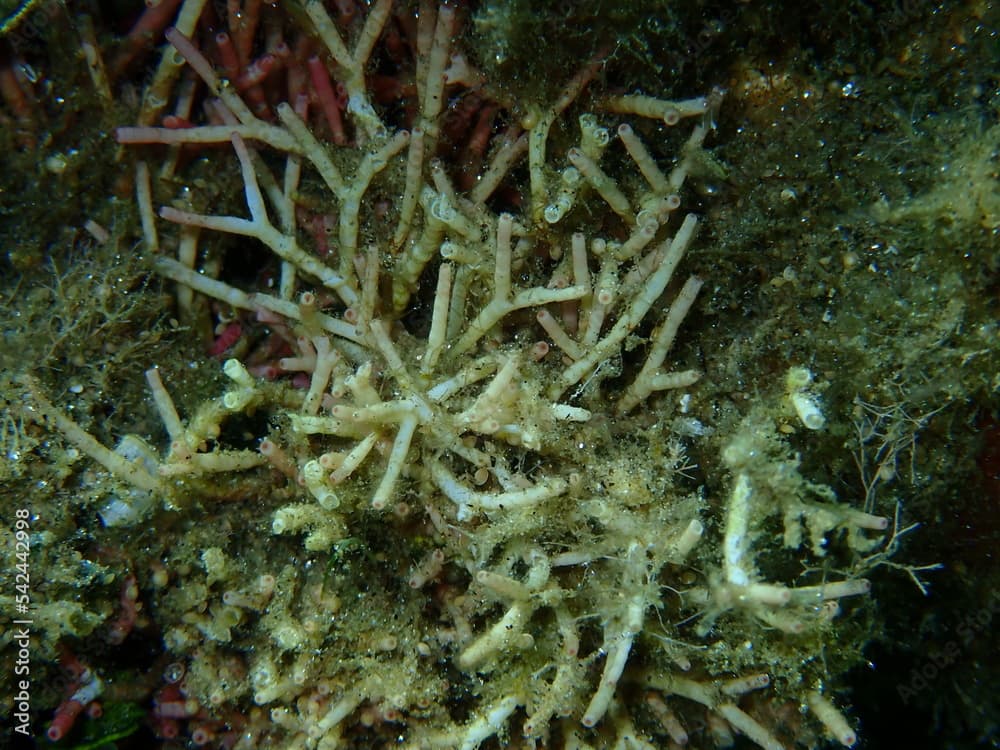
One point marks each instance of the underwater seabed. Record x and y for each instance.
(371, 379)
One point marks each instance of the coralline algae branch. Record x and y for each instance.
(451, 363)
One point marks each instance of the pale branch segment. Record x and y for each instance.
(352, 64)
(649, 378)
(540, 121)
(260, 227)
(665, 260)
(502, 302)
